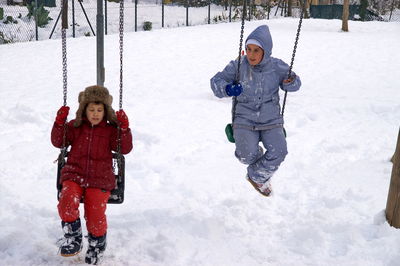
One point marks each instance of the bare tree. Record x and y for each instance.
(345, 16)
(289, 8)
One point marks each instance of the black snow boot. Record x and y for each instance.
(97, 246)
(72, 242)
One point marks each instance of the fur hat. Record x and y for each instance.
(95, 94)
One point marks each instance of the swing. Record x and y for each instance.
(117, 194)
(229, 127)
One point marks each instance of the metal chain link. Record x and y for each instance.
(65, 83)
(121, 49)
(294, 53)
(64, 4)
(64, 64)
(241, 41)
(121, 52)
(234, 100)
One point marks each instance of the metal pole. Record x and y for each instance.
(391, 11)
(136, 2)
(100, 43)
(249, 17)
(162, 13)
(209, 11)
(36, 19)
(73, 18)
(230, 11)
(55, 24)
(187, 12)
(87, 19)
(106, 16)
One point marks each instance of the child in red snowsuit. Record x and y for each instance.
(88, 172)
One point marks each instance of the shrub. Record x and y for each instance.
(9, 20)
(41, 13)
(4, 39)
(147, 25)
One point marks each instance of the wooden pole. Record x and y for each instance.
(393, 200)
(64, 17)
(345, 16)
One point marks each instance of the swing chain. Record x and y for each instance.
(234, 100)
(64, 64)
(64, 6)
(241, 41)
(121, 49)
(294, 53)
(296, 41)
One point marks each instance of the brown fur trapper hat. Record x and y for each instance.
(95, 94)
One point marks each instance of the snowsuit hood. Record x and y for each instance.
(263, 36)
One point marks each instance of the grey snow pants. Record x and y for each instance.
(261, 166)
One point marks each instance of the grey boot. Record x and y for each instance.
(97, 246)
(72, 243)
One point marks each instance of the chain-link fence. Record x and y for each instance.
(29, 20)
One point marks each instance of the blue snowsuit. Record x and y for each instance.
(258, 113)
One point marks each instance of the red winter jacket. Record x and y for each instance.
(90, 160)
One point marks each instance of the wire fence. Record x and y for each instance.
(30, 20)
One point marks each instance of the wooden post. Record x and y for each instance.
(393, 200)
(345, 15)
(64, 17)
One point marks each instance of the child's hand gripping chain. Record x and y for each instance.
(62, 115)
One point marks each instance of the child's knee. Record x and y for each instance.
(249, 157)
(95, 211)
(68, 205)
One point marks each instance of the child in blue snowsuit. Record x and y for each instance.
(258, 113)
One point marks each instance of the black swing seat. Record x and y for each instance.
(117, 194)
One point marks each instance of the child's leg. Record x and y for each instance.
(68, 205)
(275, 144)
(95, 211)
(247, 149)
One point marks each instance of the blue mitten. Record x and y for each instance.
(234, 89)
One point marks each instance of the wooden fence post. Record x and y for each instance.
(393, 200)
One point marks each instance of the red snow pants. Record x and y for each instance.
(95, 204)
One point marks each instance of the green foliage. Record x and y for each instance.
(1, 13)
(147, 25)
(4, 39)
(10, 20)
(41, 14)
(363, 9)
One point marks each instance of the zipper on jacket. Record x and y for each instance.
(89, 150)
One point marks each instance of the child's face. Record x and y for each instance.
(95, 113)
(254, 54)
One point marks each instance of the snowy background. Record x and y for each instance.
(186, 199)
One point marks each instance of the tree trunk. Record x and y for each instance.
(393, 200)
(289, 8)
(305, 7)
(345, 16)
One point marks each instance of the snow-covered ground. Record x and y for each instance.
(186, 201)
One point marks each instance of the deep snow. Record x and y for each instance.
(187, 202)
